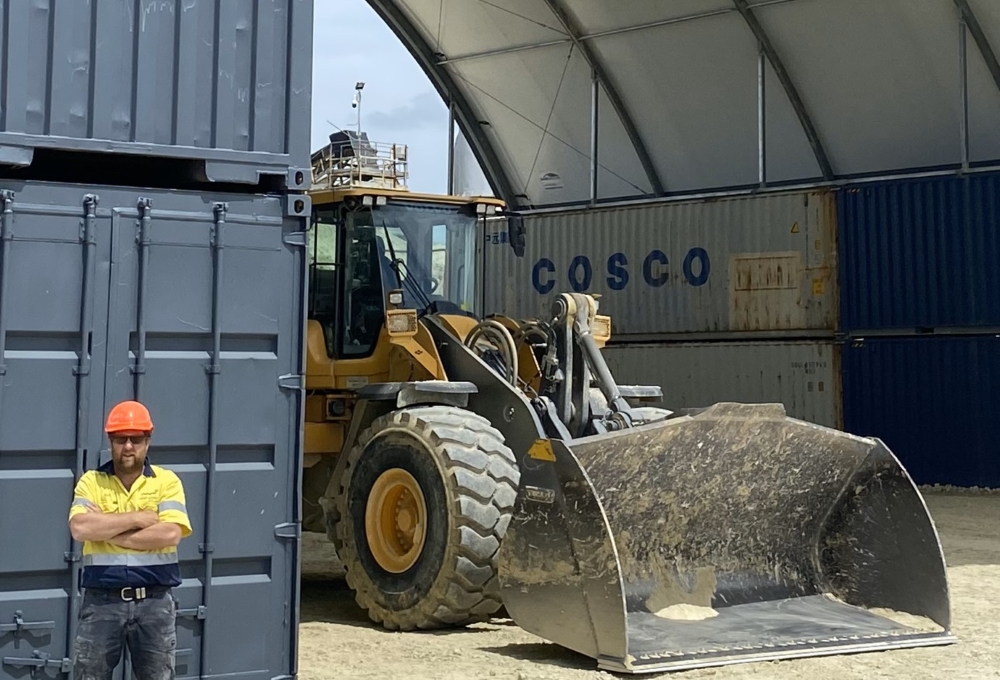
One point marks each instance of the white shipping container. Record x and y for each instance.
(804, 376)
(722, 266)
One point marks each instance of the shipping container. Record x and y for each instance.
(225, 83)
(804, 376)
(193, 303)
(933, 400)
(921, 254)
(737, 266)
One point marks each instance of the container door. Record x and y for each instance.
(54, 262)
(205, 327)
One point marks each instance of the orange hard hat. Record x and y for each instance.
(129, 416)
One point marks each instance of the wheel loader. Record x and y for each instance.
(465, 463)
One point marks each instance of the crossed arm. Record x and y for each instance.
(140, 530)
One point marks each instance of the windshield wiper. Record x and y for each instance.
(410, 285)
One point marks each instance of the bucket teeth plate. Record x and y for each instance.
(734, 535)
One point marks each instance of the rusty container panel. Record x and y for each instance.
(804, 376)
(741, 266)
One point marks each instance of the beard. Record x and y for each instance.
(128, 464)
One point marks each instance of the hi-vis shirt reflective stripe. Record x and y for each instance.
(106, 565)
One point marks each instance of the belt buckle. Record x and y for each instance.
(140, 593)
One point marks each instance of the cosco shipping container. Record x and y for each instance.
(736, 266)
(920, 255)
(222, 84)
(933, 400)
(804, 376)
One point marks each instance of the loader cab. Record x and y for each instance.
(363, 244)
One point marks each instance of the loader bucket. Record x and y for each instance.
(734, 535)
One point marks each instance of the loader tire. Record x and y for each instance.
(467, 480)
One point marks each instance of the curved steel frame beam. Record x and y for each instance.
(450, 92)
(790, 91)
(576, 35)
(972, 23)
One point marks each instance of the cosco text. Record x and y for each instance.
(654, 270)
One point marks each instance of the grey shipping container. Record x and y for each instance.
(226, 83)
(738, 266)
(804, 376)
(193, 303)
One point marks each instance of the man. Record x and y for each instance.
(130, 516)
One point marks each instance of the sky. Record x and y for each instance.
(399, 105)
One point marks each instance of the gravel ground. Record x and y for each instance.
(337, 640)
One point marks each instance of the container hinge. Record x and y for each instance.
(298, 178)
(288, 530)
(290, 381)
(20, 625)
(199, 612)
(297, 205)
(72, 557)
(205, 548)
(295, 238)
(40, 660)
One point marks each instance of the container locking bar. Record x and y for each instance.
(144, 206)
(20, 625)
(39, 661)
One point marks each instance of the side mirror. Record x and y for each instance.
(515, 233)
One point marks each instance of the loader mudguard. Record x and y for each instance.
(441, 392)
(733, 535)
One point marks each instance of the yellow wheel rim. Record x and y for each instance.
(396, 520)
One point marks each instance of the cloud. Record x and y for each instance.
(424, 110)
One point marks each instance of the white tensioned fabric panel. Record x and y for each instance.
(537, 101)
(871, 87)
(457, 27)
(984, 97)
(542, 119)
(599, 17)
(692, 91)
(879, 78)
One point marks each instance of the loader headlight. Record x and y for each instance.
(395, 298)
(401, 322)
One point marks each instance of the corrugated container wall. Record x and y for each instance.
(804, 376)
(934, 402)
(920, 254)
(110, 293)
(225, 81)
(725, 266)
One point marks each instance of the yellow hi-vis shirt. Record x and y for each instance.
(106, 565)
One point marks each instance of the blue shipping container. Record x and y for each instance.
(920, 254)
(933, 400)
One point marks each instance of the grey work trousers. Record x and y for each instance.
(109, 623)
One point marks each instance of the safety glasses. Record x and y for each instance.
(122, 440)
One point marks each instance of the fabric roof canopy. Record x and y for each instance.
(707, 95)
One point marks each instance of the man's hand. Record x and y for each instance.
(145, 519)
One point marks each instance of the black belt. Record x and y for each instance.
(134, 593)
